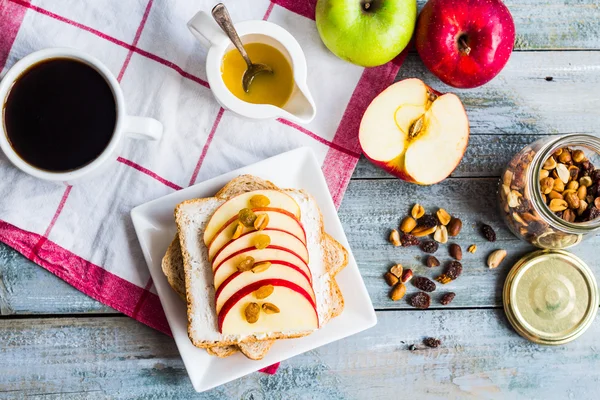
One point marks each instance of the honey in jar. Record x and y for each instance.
(266, 88)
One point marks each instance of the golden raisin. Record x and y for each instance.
(259, 200)
(252, 312)
(247, 217)
(264, 292)
(246, 264)
(237, 232)
(262, 241)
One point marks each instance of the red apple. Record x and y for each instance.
(414, 132)
(465, 43)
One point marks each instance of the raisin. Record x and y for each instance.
(593, 213)
(424, 284)
(429, 246)
(247, 217)
(524, 206)
(447, 298)
(409, 240)
(420, 300)
(427, 221)
(432, 262)
(595, 174)
(432, 342)
(262, 241)
(488, 233)
(536, 227)
(453, 270)
(259, 200)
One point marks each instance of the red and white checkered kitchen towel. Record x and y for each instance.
(83, 233)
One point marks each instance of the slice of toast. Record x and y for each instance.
(172, 266)
(328, 257)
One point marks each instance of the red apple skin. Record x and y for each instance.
(487, 28)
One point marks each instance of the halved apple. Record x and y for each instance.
(278, 270)
(298, 311)
(278, 219)
(279, 238)
(275, 254)
(414, 132)
(232, 207)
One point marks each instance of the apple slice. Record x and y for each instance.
(279, 238)
(414, 132)
(278, 270)
(278, 219)
(273, 254)
(233, 206)
(298, 312)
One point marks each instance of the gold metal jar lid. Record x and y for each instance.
(550, 297)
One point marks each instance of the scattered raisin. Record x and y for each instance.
(247, 217)
(420, 300)
(432, 262)
(429, 246)
(593, 214)
(447, 298)
(427, 221)
(409, 240)
(488, 233)
(424, 284)
(453, 270)
(432, 342)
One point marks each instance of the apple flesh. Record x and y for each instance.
(298, 312)
(414, 132)
(465, 43)
(366, 32)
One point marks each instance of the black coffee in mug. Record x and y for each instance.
(59, 115)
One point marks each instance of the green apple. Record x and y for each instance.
(367, 33)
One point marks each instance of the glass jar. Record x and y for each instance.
(541, 218)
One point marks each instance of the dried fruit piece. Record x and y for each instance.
(398, 291)
(441, 234)
(432, 262)
(270, 308)
(407, 275)
(495, 258)
(429, 246)
(395, 237)
(488, 233)
(417, 211)
(239, 229)
(421, 231)
(427, 221)
(251, 312)
(454, 227)
(263, 292)
(397, 270)
(447, 298)
(432, 342)
(390, 278)
(472, 248)
(424, 284)
(408, 224)
(247, 217)
(569, 215)
(420, 300)
(453, 270)
(261, 266)
(262, 241)
(246, 264)
(409, 240)
(259, 200)
(261, 222)
(455, 251)
(443, 216)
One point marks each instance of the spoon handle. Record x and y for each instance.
(220, 14)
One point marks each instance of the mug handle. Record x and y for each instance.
(143, 128)
(205, 29)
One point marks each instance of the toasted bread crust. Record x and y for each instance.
(336, 258)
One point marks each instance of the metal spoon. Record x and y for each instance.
(220, 14)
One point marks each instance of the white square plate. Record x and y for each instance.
(155, 228)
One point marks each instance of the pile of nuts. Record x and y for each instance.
(414, 231)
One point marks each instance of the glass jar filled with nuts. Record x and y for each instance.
(550, 191)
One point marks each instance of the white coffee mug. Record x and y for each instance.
(135, 127)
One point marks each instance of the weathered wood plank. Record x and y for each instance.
(520, 100)
(481, 357)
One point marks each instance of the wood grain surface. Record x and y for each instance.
(55, 342)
